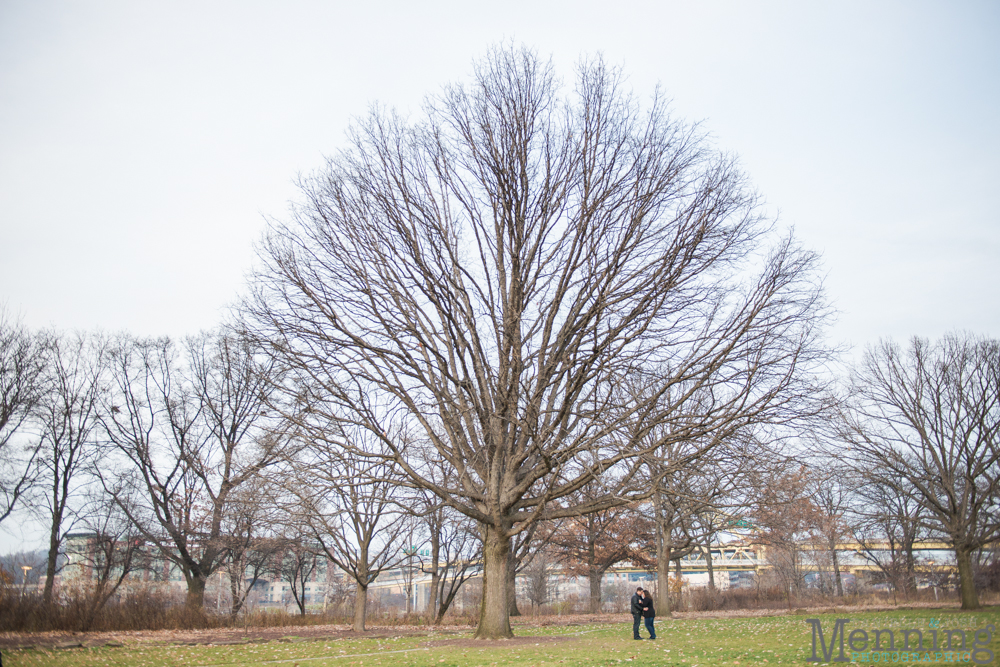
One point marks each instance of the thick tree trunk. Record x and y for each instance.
(512, 587)
(680, 582)
(663, 552)
(50, 566)
(836, 568)
(446, 603)
(195, 592)
(236, 590)
(595, 591)
(494, 618)
(711, 569)
(966, 583)
(434, 601)
(360, 607)
(910, 583)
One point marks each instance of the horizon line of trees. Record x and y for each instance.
(587, 547)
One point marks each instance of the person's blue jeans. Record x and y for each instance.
(649, 626)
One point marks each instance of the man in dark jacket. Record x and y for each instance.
(638, 602)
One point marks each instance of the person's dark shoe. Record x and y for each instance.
(636, 637)
(652, 637)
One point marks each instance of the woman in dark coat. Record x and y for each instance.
(648, 613)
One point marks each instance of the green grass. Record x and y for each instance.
(782, 640)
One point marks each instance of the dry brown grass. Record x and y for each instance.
(152, 610)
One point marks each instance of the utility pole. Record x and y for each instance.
(25, 569)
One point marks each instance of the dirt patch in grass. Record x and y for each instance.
(514, 642)
(220, 636)
(598, 619)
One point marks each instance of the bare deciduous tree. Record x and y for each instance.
(720, 490)
(297, 562)
(524, 546)
(250, 539)
(784, 516)
(112, 554)
(888, 518)
(189, 434)
(930, 414)
(66, 419)
(830, 490)
(351, 509)
(494, 273)
(453, 550)
(674, 471)
(672, 538)
(22, 364)
(460, 550)
(536, 577)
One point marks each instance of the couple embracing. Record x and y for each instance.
(642, 607)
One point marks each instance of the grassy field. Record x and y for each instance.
(779, 640)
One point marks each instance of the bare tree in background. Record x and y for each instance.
(297, 563)
(251, 542)
(337, 588)
(23, 358)
(189, 432)
(454, 549)
(677, 472)
(593, 543)
(492, 274)
(351, 509)
(672, 537)
(784, 515)
(460, 550)
(536, 576)
(830, 491)
(720, 490)
(112, 554)
(930, 414)
(888, 518)
(67, 417)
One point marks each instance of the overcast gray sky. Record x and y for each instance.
(142, 144)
